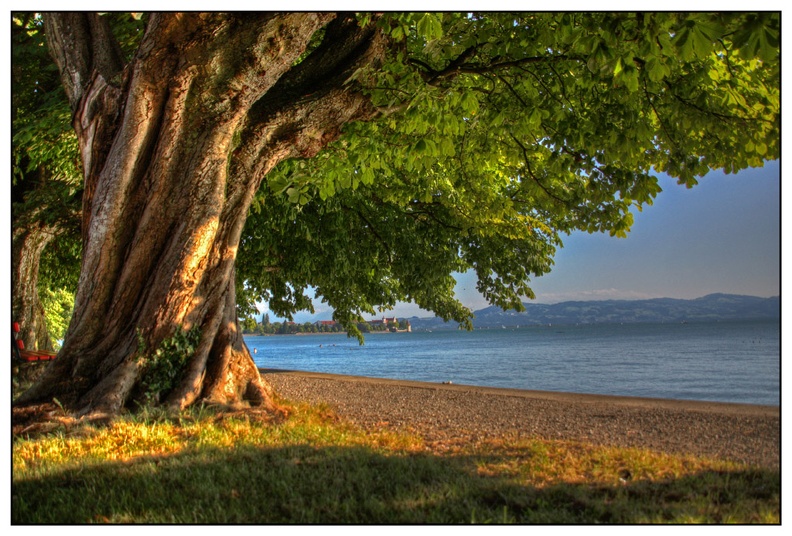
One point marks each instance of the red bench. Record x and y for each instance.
(19, 353)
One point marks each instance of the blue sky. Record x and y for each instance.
(723, 235)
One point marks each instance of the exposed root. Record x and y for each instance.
(37, 419)
(33, 420)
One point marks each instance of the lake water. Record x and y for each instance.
(725, 361)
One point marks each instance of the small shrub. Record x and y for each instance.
(165, 364)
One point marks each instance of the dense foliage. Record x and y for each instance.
(498, 134)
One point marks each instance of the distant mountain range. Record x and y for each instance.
(713, 307)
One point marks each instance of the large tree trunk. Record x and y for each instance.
(174, 147)
(27, 244)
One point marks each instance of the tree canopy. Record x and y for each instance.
(232, 158)
(514, 127)
(498, 134)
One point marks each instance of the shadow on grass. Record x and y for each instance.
(330, 485)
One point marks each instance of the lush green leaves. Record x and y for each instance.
(164, 365)
(42, 135)
(429, 26)
(500, 132)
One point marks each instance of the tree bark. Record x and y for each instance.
(27, 244)
(174, 146)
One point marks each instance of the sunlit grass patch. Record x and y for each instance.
(205, 466)
(569, 482)
(544, 462)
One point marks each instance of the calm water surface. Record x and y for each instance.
(726, 362)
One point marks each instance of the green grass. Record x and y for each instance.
(208, 467)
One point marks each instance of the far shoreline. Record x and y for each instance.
(320, 333)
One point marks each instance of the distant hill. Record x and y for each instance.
(713, 307)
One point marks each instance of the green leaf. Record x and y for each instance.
(447, 147)
(367, 176)
(397, 33)
(630, 78)
(656, 69)
(618, 68)
(498, 119)
(684, 43)
(429, 27)
(469, 102)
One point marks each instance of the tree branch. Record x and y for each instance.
(373, 231)
(81, 43)
(469, 68)
(431, 214)
(657, 114)
(531, 174)
(312, 101)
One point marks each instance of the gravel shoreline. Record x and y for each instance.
(738, 432)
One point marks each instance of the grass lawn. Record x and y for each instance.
(204, 466)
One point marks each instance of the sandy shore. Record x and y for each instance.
(440, 412)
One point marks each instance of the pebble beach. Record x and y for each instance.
(448, 412)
